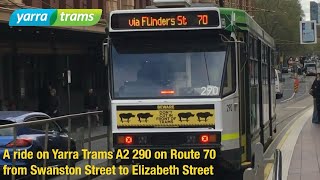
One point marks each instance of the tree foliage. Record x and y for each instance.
(280, 19)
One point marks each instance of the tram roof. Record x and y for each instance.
(244, 21)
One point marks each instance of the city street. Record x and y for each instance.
(288, 85)
(87, 84)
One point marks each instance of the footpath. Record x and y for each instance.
(305, 159)
(300, 148)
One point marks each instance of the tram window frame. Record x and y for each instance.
(268, 65)
(251, 46)
(256, 75)
(266, 74)
(230, 61)
(255, 48)
(262, 74)
(273, 74)
(263, 70)
(252, 72)
(263, 53)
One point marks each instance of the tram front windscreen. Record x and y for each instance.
(158, 68)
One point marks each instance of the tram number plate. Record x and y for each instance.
(209, 91)
(229, 107)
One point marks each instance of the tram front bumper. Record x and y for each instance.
(168, 147)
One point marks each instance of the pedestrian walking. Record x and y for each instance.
(53, 104)
(91, 104)
(315, 92)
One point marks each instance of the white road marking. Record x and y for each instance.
(289, 98)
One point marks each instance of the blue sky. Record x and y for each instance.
(306, 8)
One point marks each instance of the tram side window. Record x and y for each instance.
(229, 76)
(252, 73)
(256, 73)
(251, 46)
(263, 53)
(273, 76)
(266, 74)
(255, 48)
(267, 61)
(262, 73)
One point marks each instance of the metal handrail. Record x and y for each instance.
(46, 122)
(50, 119)
(277, 173)
(257, 172)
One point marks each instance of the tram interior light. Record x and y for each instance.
(167, 92)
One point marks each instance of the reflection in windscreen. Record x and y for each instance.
(155, 69)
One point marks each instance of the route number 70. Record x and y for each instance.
(209, 154)
(203, 19)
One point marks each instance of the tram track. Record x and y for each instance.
(285, 123)
(285, 119)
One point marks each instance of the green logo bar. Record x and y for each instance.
(76, 17)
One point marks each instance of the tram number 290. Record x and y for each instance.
(209, 91)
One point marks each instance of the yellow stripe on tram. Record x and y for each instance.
(228, 137)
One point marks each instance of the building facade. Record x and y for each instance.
(314, 11)
(31, 58)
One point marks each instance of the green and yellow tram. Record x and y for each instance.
(190, 78)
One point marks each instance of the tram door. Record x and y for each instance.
(244, 101)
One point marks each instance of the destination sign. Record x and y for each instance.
(165, 20)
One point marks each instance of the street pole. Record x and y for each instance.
(68, 81)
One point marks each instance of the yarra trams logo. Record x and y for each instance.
(55, 17)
